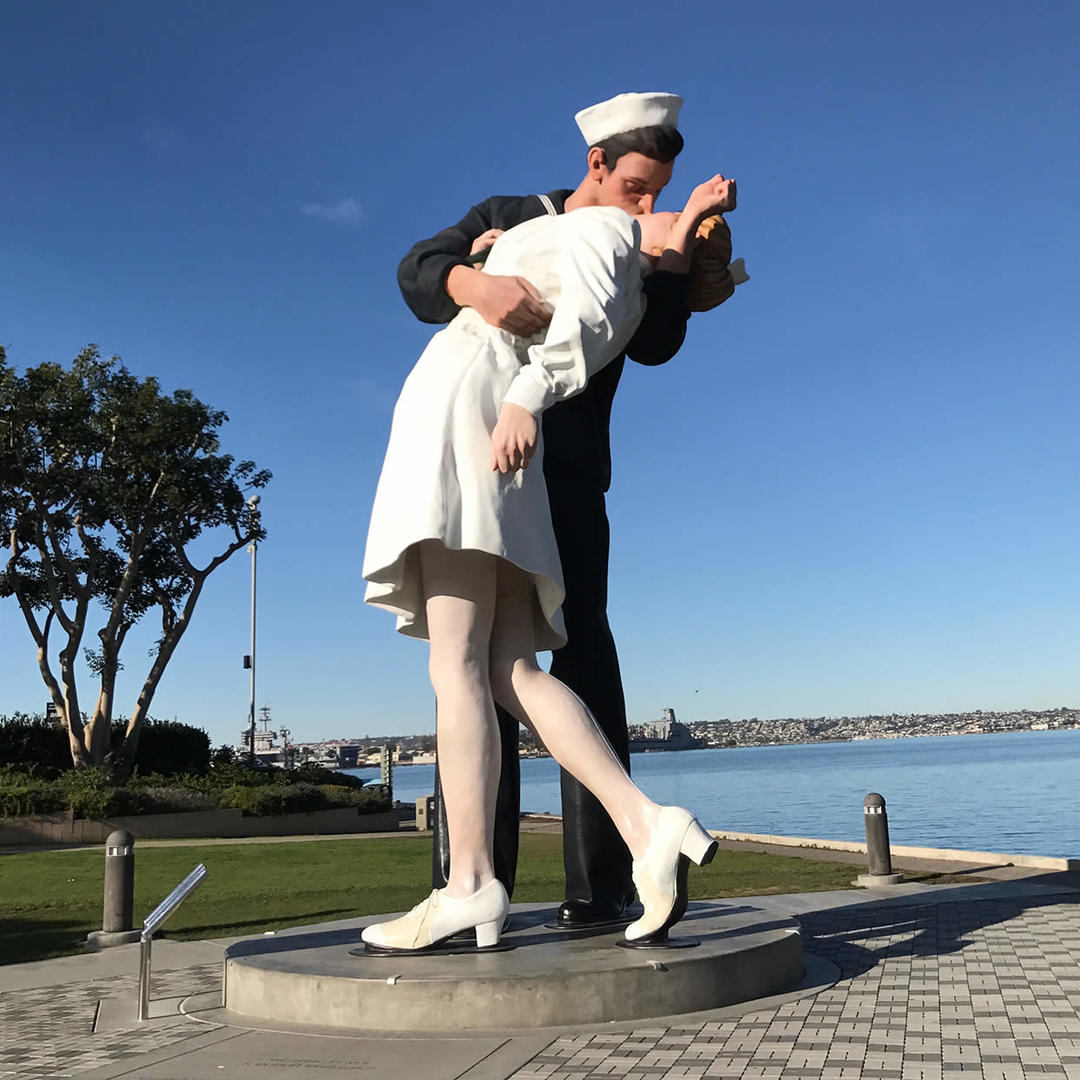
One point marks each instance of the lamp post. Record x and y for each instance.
(253, 507)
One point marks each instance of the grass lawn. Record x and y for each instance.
(50, 901)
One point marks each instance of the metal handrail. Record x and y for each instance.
(150, 926)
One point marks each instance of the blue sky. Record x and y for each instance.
(854, 490)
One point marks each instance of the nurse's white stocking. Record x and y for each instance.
(558, 716)
(459, 588)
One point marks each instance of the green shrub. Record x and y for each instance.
(373, 802)
(251, 800)
(91, 793)
(223, 755)
(27, 741)
(262, 800)
(364, 800)
(169, 747)
(31, 797)
(170, 799)
(14, 775)
(310, 773)
(235, 774)
(301, 798)
(186, 781)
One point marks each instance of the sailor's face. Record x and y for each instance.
(634, 183)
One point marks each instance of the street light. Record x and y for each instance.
(253, 507)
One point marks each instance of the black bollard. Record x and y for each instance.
(877, 835)
(878, 855)
(119, 882)
(118, 915)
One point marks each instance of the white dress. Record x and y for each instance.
(437, 481)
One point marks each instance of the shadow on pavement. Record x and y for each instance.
(239, 927)
(859, 936)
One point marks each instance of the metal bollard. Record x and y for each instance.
(878, 855)
(119, 882)
(119, 905)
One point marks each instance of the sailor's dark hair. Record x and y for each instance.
(659, 143)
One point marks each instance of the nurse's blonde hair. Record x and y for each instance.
(711, 282)
(710, 279)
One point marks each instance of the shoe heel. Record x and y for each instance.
(698, 845)
(487, 934)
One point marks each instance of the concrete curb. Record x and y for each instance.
(986, 858)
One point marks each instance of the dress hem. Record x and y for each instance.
(386, 584)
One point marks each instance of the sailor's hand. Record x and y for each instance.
(513, 441)
(484, 241)
(510, 303)
(715, 196)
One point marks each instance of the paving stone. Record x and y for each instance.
(950, 991)
(999, 1003)
(48, 1031)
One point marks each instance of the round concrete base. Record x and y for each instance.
(548, 979)
(106, 939)
(865, 881)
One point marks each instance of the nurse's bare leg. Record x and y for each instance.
(558, 716)
(459, 588)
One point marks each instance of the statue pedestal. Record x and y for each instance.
(548, 978)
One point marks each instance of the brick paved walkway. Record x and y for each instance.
(929, 992)
(48, 1031)
(968, 990)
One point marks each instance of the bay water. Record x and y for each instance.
(1013, 793)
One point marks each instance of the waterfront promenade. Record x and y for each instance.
(913, 982)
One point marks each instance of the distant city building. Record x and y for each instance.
(667, 733)
(754, 732)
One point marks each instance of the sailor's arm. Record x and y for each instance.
(662, 330)
(422, 274)
(437, 280)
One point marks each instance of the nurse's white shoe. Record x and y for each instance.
(660, 875)
(440, 916)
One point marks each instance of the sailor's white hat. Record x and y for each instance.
(625, 112)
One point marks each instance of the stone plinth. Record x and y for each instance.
(548, 979)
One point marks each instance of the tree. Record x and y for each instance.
(105, 485)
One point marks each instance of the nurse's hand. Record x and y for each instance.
(716, 196)
(485, 240)
(513, 442)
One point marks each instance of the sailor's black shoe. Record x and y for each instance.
(590, 915)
